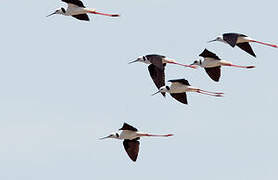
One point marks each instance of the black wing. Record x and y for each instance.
(128, 127)
(214, 73)
(75, 2)
(132, 148)
(83, 17)
(182, 81)
(158, 76)
(247, 48)
(231, 38)
(181, 97)
(156, 60)
(207, 54)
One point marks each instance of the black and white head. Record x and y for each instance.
(163, 89)
(197, 62)
(140, 59)
(58, 11)
(218, 38)
(112, 136)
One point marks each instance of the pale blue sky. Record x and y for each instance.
(65, 83)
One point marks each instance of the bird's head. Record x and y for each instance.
(162, 89)
(197, 62)
(218, 38)
(58, 11)
(111, 136)
(139, 59)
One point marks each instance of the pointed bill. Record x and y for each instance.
(212, 40)
(104, 138)
(51, 14)
(156, 93)
(133, 61)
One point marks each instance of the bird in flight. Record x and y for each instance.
(240, 40)
(156, 67)
(212, 64)
(179, 87)
(131, 137)
(77, 10)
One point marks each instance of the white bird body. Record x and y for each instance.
(158, 59)
(73, 10)
(211, 62)
(131, 137)
(77, 9)
(127, 134)
(243, 39)
(181, 88)
(145, 60)
(240, 40)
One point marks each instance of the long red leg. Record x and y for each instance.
(267, 44)
(200, 90)
(191, 66)
(104, 14)
(216, 95)
(247, 67)
(154, 135)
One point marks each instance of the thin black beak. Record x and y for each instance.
(133, 61)
(104, 138)
(51, 14)
(156, 93)
(212, 40)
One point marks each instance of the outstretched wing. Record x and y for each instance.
(128, 127)
(158, 76)
(181, 81)
(82, 17)
(181, 97)
(247, 48)
(207, 54)
(132, 148)
(214, 73)
(75, 2)
(231, 38)
(156, 60)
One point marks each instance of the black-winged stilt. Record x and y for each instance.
(77, 10)
(212, 64)
(179, 87)
(240, 40)
(130, 135)
(157, 66)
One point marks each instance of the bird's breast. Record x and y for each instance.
(75, 11)
(208, 63)
(127, 134)
(178, 89)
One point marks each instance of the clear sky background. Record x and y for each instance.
(65, 83)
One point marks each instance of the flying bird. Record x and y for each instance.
(212, 64)
(179, 87)
(157, 67)
(240, 40)
(77, 10)
(131, 137)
